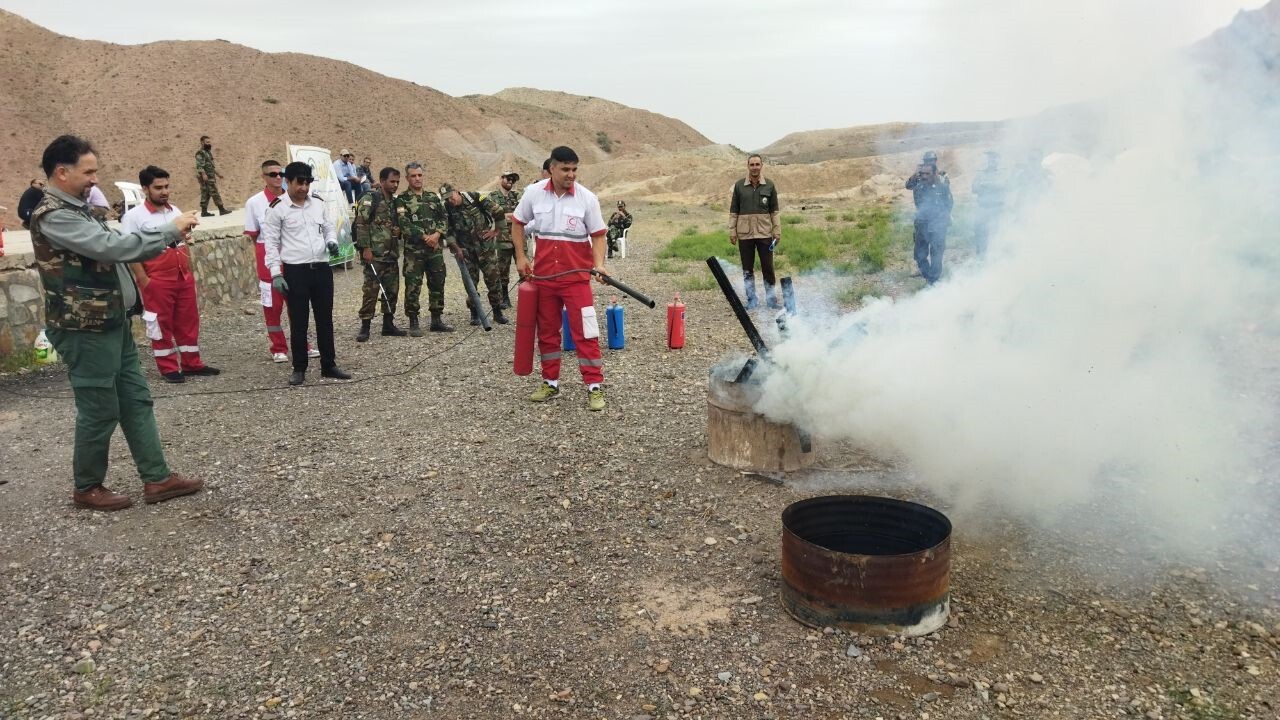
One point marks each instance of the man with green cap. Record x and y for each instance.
(506, 197)
(89, 298)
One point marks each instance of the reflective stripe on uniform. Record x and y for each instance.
(162, 352)
(598, 362)
(275, 328)
(550, 356)
(189, 348)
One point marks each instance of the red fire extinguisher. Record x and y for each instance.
(526, 327)
(675, 324)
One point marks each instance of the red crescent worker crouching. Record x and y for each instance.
(564, 219)
(167, 285)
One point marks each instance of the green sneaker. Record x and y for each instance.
(545, 392)
(595, 399)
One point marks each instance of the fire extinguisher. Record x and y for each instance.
(675, 324)
(526, 327)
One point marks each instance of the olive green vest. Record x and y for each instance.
(79, 293)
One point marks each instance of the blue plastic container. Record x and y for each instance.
(615, 326)
(564, 331)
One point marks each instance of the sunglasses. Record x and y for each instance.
(273, 174)
(302, 181)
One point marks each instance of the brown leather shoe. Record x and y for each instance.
(171, 487)
(100, 498)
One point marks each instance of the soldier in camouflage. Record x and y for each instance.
(89, 298)
(476, 222)
(208, 176)
(507, 199)
(376, 229)
(423, 225)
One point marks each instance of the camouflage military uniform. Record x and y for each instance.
(87, 304)
(377, 229)
(507, 200)
(474, 216)
(208, 186)
(419, 216)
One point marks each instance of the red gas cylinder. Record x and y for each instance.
(675, 324)
(526, 327)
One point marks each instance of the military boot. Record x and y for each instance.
(498, 317)
(506, 297)
(363, 335)
(749, 288)
(475, 316)
(437, 325)
(414, 330)
(389, 327)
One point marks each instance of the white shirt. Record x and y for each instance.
(96, 198)
(574, 216)
(296, 234)
(255, 209)
(140, 217)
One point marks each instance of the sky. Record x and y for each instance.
(744, 72)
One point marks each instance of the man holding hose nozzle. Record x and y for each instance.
(564, 219)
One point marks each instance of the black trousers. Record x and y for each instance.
(310, 289)
(747, 250)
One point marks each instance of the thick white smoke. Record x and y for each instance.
(1106, 364)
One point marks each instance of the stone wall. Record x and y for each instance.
(222, 260)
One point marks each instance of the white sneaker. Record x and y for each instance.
(312, 352)
(279, 357)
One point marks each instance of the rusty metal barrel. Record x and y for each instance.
(868, 564)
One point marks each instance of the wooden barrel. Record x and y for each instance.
(740, 438)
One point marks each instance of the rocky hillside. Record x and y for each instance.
(150, 103)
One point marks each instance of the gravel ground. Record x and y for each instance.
(425, 543)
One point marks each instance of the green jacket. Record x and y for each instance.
(507, 201)
(477, 214)
(81, 262)
(419, 216)
(204, 162)
(753, 210)
(376, 226)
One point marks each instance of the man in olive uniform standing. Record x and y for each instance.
(475, 222)
(377, 239)
(423, 225)
(89, 298)
(208, 176)
(754, 227)
(506, 198)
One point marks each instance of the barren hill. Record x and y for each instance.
(150, 103)
(874, 140)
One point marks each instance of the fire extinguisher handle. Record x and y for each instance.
(644, 299)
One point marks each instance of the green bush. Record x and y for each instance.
(848, 217)
(804, 248)
(831, 217)
(698, 246)
(792, 219)
(700, 281)
(666, 266)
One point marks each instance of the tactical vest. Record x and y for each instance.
(79, 293)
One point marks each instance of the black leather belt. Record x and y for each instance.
(309, 266)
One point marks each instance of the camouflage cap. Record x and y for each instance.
(621, 204)
(510, 174)
(930, 156)
(446, 190)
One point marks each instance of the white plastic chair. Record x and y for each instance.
(132, 193)
(622, 244)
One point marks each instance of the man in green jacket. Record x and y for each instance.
(754, 228)
(89, 298)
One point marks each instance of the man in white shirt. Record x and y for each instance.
(564, 217)
(98, 204)
(273, 304)
(167, 285)
(344, 168)
(299, 239)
